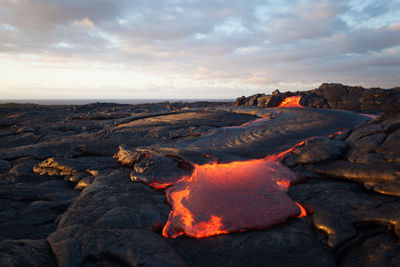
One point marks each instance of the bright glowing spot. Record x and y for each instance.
(159, 186)
(291, 102)
(235, 196)
(303, 211)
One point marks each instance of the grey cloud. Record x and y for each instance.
(306, 39)
(45, 14)
(307, 20)
(376, 8)
(366, 40)
(370, 9)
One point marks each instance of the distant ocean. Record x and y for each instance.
(89, 101)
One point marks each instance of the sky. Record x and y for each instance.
(137, 49)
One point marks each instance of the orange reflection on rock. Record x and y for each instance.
(291, 102)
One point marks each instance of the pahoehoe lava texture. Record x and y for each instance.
(235, 195)
(286, 128)
(278, 130)
(65, 202)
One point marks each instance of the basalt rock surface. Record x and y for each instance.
(335, 96)
(65, 201)
(370, 159)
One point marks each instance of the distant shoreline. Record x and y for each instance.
(115, 101)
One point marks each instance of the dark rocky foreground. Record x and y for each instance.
(65, 201)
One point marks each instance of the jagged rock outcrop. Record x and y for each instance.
(335, 96)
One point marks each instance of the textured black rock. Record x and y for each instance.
(316, 150)
(26, 252)
(335, 96)
(4, 166)
(351, 192)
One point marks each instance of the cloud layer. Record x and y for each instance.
(206, 49)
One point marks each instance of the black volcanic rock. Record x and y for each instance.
(64, 201)
(119, 230)
(390, 148)
(248, 101)
(4, 166)
(316, 150)
(150, 165)
(26, 252)
(371, 144)
(335, 96)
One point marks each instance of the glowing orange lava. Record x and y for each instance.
(236, 196)
(335, 134)
(280, 156)
(303, 211)
(219, 198)
(198, 230)
(159, 186)
(291, 102)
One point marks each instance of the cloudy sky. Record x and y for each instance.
(117, 49)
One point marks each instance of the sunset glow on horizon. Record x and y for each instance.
(102, 49)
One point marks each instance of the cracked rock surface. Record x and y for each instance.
(65, 201)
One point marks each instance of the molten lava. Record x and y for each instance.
(223, 198)
(219, 198)
(159, 186)
(335, 134)
(291, 102)
(303, 212)
(236, 196)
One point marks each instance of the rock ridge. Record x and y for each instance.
(335, 96)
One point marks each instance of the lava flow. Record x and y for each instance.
(291, 102)
(236, 196)
(214, 198)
